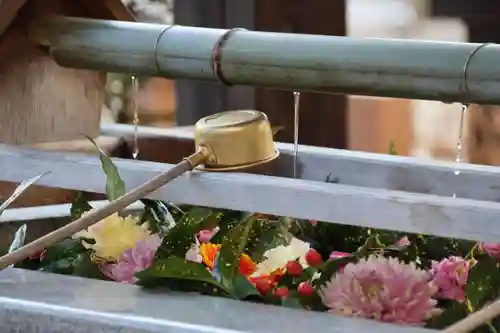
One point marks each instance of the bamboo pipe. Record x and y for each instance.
(476, 319)
(224, 142)
(378, 67)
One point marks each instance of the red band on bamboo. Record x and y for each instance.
(217, 55)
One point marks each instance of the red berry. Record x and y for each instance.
(263, 285)
(282, 292)
(313, 258)
(293, 268)
(305, 289)
(37, 256)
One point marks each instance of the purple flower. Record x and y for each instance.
(133, 260)
(204, 236)
(193, 253)
(384, 289)
(492, 249)
(450, 276)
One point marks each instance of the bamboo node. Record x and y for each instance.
(155, 47)
(217, 55)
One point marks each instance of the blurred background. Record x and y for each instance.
(418, 128)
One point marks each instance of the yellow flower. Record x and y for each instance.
(277, 258)
(113, 235)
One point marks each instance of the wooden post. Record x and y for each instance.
(198, 99)
(483, 123)
(323, 118)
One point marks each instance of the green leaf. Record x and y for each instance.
(228, 259)
(452, 313)
(180, 238)
(292, 301)
(20, 189)
(243, 289)
(483, 283)
(371, 243)
(158, 215)
(62, 266)
(68, 248)
(115, 187)
(332, 266)
(79, 206)
(177, 268)
(263, 236)
(84, 267)
(19, 238)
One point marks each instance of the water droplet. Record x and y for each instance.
(135, 119)
(296, 121)
(458, 150)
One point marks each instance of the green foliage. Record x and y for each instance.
(115, 187)
(265, 235)
(233, 246)
(331, 267)
(63, 257)
(19, 239)
(180, 238)
(158, 215)
(19, 190)
(483, 283)
(453, 312)
(168, 271)
(79, 206)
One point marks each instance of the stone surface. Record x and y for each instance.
(35, 302)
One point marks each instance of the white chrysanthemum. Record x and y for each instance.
(279, 256)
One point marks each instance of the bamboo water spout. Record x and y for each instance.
(225, 141)
(298, 62)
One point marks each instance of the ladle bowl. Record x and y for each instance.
(235, 140)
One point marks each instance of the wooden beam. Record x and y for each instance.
(335, 203)
(347, 167)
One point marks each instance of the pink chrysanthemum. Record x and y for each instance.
(450, 277)
(384, 289)
(492, 249)
(133, 260)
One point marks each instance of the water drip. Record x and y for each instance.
(296, 109)
(459, 146)
(135, 116)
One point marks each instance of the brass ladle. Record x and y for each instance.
(226, 141)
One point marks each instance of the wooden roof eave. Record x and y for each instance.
(115, 8)
(8, 11)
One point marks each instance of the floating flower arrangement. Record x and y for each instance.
(333, 268)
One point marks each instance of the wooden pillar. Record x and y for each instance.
(482, 18)
(198, 99)
(323, 118)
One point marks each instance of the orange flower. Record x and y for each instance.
(274, 277)
(208, 252)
